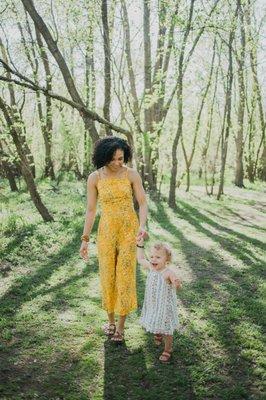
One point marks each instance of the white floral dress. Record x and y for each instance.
(159, 312)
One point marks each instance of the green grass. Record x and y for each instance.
(52, 346)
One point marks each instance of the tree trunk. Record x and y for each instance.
(228, 106)
(52, 45)
(239, 171)
(15, 131)
(47, 128)
(148, 118)
(16, 111)
(107, 66)
(7, 170)
(172, 195)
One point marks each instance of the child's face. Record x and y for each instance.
(158, 258)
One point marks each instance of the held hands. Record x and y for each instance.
(177, 283)
(142, 233)
(83, 251)
(140, 241)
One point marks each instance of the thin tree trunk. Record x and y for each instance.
(7, 169)
(172, 195)
(132, 81)
(15, 110)
(228, 106)
(48, 126)
(45, 124)
(147, 89)
(214, 166)
(107, 66)
(13, 125)
(190, 158)
(239, 171)
(52, 45)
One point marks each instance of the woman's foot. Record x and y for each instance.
(109, 329)
(158, 338)
(118, 337)
(166, 356)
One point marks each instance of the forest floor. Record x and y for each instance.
(52, 346)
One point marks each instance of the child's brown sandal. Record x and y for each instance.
(158, 338)
(109, 329)
(165, 357)
(118, 337)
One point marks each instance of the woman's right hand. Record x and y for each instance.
(83, 251)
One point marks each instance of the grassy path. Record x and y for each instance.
(52, 346)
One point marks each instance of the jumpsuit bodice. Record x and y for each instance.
(115, 196)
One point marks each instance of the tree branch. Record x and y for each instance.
(81, 108)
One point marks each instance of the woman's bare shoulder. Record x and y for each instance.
(132, 174)
(93, 177)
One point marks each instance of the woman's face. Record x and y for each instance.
(117, 161)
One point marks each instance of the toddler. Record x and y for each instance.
(159, 312)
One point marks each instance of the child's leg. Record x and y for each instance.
(158, 338)
(168, 347)
(168, 342)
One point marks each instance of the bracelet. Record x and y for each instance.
(85, 238)
(141, 247)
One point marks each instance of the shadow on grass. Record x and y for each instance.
(32, 377)
(235, 292)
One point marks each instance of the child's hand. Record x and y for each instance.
(177, 283)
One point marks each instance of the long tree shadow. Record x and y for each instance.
(196, 218)
(215, 281)
(24, 335)
(133, 371)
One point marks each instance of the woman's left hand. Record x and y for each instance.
(142, 233)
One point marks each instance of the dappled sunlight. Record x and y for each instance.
(55, 342)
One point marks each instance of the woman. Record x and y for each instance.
(112, 183)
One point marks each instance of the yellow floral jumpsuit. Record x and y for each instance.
(116, 243)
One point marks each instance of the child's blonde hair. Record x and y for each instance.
(167, 249)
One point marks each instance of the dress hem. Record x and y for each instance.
(160, 331)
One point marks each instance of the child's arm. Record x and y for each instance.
(175, 280)
(141, 255)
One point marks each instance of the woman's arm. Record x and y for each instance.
(141, 254)
(90, 213)
(91, 204)
(141, 199)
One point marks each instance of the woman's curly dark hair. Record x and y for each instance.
(105, 148)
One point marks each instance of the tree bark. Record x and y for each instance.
(257, 89)
(188, 159)
(107, 66)
(15, 132)
(16, 111)
(228, 106)
(48, 123)
(52, 46)
(239, 171)
(7, 169)
(148, 118)
(172, 195)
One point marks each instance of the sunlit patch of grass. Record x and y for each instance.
(52, 344)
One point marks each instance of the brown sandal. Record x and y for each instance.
(109, 329)
(118, 337)
(158, 338)
(165, 357)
